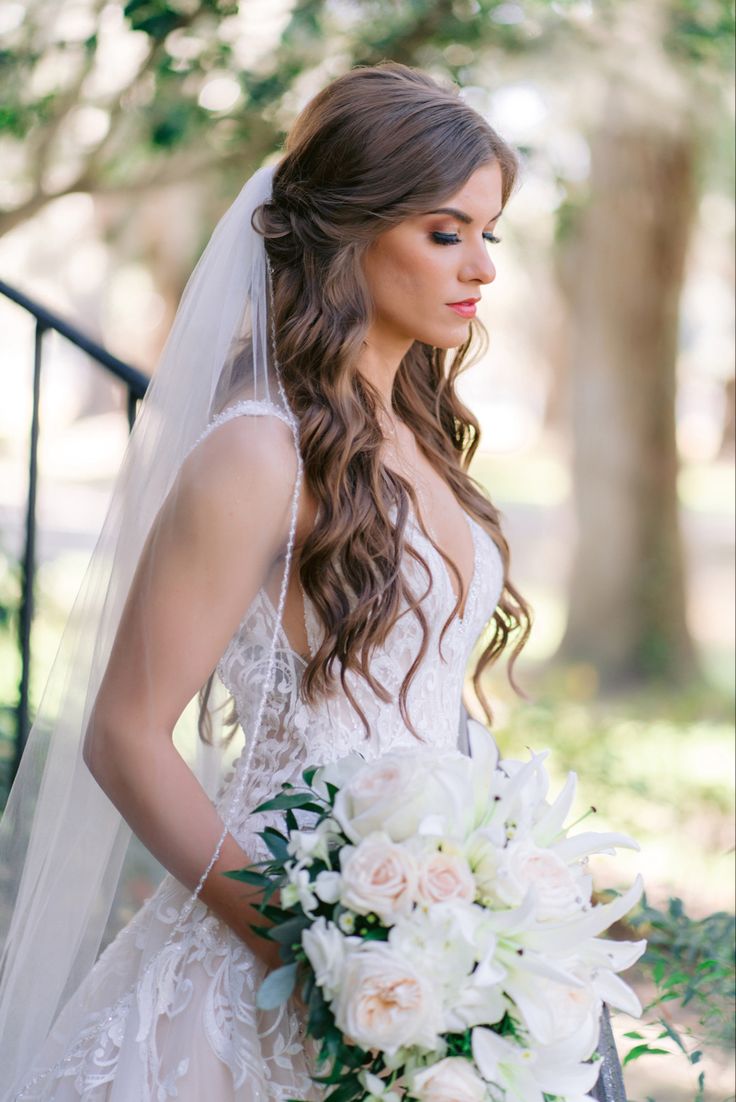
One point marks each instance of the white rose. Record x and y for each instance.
(326, 949)
(378, 876)
(337, 772)
(445, 876)
(400, 789)
(384, 1003)
(560, 890)
(453, 1079)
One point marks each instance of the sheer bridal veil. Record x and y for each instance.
(63, 844)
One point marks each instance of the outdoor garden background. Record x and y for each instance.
(606, 396)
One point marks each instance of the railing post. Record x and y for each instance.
(132, 408)
(610, 1086)
(136, 384)
(28, 564)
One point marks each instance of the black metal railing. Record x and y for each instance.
(135, 383)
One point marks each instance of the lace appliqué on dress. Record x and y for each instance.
(193, 1012)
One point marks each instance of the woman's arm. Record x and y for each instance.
(210, 549)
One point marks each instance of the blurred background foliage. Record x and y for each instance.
(606, 398)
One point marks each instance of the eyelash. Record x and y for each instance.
(453, 239)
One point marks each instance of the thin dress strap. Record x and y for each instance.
(247, 406)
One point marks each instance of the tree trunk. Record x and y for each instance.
(627, 592)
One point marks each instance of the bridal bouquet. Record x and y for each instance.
(437, 917)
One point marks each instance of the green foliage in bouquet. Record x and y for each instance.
(289, 923)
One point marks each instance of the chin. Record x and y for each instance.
(447, 340)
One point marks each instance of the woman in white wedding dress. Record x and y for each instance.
(323, 554)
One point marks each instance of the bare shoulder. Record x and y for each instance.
(240, 477)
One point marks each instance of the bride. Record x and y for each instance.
(294, 522)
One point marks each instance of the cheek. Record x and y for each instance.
(405, 274)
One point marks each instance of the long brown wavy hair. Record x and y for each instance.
(376, 146)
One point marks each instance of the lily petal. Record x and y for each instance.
(616, 993)
(562, 937)
(549, 825)
(616, 956)
(580, 845)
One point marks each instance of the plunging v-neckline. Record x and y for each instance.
(460, 619)
(470, 525)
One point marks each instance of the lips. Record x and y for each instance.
(466, 308)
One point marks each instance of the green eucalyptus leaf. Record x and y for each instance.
(284, 801)
(285, 933)
(248, 876)
(276, 842)
(277, 987)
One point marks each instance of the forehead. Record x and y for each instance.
(481, 196)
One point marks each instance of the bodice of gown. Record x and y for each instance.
(293, 733)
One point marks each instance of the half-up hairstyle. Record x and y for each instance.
(376, 146)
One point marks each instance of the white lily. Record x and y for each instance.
(480, 1000)
(549, 824)
(560, 938)
(604, 958)
(511, 810)
(558, 1074)
(513, 921)
(526, 1074)
(557, 1011)
(507, 1065)
(485, 758)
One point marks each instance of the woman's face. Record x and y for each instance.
(419, 270)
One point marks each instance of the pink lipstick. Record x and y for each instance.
(466, 308)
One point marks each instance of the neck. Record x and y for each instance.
(379, 361)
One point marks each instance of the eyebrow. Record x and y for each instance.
(460, 214)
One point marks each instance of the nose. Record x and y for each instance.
(480, 268)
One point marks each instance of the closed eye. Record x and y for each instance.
(453, 239)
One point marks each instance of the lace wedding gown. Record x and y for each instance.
(187, 1028)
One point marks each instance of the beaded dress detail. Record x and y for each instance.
(187, 1028)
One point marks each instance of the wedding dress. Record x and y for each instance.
(186, 1027)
